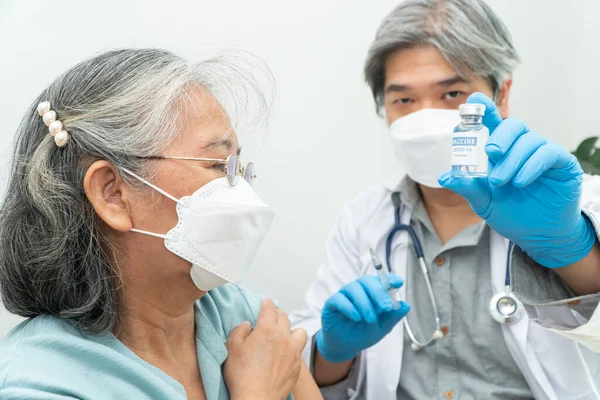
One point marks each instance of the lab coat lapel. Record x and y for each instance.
(517, 335)
(384, 360)
(498, 254)
(383, 364)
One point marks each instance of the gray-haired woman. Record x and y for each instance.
(127, 216)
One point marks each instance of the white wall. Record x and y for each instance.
(324, 144)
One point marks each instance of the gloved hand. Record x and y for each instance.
(532, 192)
(357, 317)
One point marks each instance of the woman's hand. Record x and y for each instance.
(264, 362)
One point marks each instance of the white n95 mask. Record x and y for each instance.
(219, 231)
(422, 143)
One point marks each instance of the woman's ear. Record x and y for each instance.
(502, 98)
(107, 193)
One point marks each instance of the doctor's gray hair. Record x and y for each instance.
(54, 258)
(467, 32)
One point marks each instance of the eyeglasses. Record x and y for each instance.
(233, 166)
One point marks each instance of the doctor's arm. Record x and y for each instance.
(535, 195)
(573, 287)
(347, 312)
(306, 388)
(327, 373)
(355, 318)
(583, 277)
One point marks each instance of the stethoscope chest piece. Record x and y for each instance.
(506, 309)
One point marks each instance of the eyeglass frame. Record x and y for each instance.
(225, 161)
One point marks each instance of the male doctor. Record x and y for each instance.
(428, 57)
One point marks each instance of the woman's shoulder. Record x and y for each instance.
(34, 333)
(229, 305)
(38, 344)
(49, 358)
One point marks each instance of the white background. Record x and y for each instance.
(325, 143)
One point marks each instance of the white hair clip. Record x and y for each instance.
(61, 137)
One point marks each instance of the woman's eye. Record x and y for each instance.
(219, 167)
(453, 95)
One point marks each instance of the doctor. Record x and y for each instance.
(428, 57)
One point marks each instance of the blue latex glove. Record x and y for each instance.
(532, 194)
(357, 317)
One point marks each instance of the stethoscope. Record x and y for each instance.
(504, 307)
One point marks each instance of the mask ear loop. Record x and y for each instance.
(159, 190)
(158, 235)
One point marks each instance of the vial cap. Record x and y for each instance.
(471, 109)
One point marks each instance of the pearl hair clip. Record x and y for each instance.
(61, 137)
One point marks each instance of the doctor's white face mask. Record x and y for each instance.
(422, 143)
(219, 230)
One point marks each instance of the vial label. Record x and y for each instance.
(465, 148)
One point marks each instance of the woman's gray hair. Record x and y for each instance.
(467, 32)
(54, 258)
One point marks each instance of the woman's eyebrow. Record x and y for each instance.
(220, 142)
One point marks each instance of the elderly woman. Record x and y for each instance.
(127, 217)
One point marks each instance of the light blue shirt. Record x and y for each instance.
(47, 358)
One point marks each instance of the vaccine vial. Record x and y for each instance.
(468, 142)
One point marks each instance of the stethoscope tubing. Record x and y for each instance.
(400, 227)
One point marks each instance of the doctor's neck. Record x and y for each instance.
(443, 198)
(449, 212)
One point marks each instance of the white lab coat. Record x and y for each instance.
(556, 368)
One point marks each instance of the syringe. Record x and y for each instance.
(383, 277)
